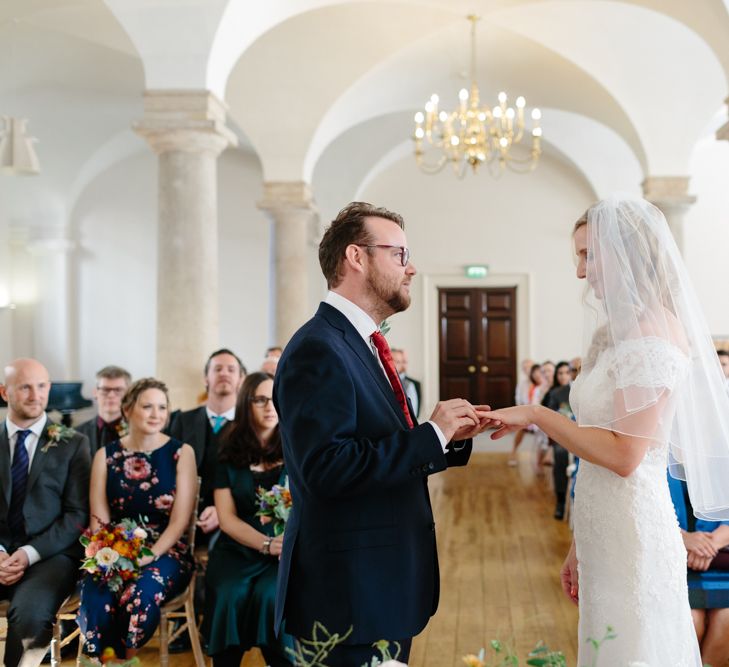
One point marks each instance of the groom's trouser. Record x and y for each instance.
(356, 655)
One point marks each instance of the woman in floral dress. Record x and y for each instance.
(149, 475)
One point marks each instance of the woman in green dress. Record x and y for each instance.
(241, 574)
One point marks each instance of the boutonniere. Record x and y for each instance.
(122, 428)
(384, 327)
(57, 433)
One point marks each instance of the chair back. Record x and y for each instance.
(192, 526)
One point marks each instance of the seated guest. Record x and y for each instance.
(557, 398)
(270, 360)
(41, 514)
(145, 474)
(706, 543)
(409, 385)
(200, 427)
(528, 393)
(108, 425)
(241, 575)
(724, 361)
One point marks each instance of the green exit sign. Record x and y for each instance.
(477, 270)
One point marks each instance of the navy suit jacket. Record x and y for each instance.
(359, 548)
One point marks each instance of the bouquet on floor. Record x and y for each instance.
(274, 506)
(112, 553)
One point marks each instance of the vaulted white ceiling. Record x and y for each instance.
(630, 84)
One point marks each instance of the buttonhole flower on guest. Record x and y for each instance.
(384, 327)
(57, 433)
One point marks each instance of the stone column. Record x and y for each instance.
(290, 206)
(670, 194)
(187, 130)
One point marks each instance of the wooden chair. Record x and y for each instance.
(67, 612)
(182, 608)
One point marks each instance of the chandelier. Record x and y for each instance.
(474, 134)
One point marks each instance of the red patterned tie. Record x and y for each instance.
(383, 350)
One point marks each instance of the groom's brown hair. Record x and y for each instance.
(346, 229)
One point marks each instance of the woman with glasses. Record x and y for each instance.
(241, 574)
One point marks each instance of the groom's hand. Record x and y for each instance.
(455, 416)
(484, 422)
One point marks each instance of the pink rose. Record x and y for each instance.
(92, 548)
(136, 468)
(164, 502)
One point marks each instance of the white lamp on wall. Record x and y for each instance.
(17, 154)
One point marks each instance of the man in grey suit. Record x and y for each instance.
(44, 506)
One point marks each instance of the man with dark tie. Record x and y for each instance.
(44, 488)
(200, 427)
(410, 385)
(359, 547)
(108, 425)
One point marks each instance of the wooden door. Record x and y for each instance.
(477, 332)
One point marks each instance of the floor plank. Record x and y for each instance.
(500, 553)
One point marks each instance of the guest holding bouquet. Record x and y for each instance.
(241, 574)
(150, 477)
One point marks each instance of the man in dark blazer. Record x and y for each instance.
(200, 427)
(359, 548)
(44, 506)
(108, 424)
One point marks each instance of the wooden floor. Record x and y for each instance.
(500, 553)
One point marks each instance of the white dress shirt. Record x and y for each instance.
(31, 444)
(365, 327)
(229, 415)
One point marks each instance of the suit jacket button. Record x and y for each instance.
(431, 465)
(432, 526)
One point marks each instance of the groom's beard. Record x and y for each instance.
(390, 292)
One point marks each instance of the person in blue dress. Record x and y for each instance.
(243, 565)
(144, 474)
(706, 544)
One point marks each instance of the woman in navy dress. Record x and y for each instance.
(145, 474)
(241, 576)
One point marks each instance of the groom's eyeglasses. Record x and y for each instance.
(404, 253)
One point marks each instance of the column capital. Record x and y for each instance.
(668, 190)
(192, 121)
(281, 196)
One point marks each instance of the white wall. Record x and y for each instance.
(518, 224)
(707, 231)
(116, 219)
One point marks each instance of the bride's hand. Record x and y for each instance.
(509, 420)
(568, 576)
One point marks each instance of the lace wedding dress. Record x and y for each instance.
(631, 558)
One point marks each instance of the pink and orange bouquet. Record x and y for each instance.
(274, 506)
(112, 553)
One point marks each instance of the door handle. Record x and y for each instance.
(471, 369)
(484, 369)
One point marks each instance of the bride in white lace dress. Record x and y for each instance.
(649, 396)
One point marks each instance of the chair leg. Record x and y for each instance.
(164, 648)
(79, 653)
(56, 645)
(194, 635)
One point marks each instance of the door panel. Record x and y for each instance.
(478, 345)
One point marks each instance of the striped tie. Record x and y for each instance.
(19, 475)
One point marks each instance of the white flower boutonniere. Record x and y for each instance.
(57, 433)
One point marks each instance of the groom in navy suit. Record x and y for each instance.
(359, 548)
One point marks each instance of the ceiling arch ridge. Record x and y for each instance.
(570, 87)
(303, 64)
(650, 68)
